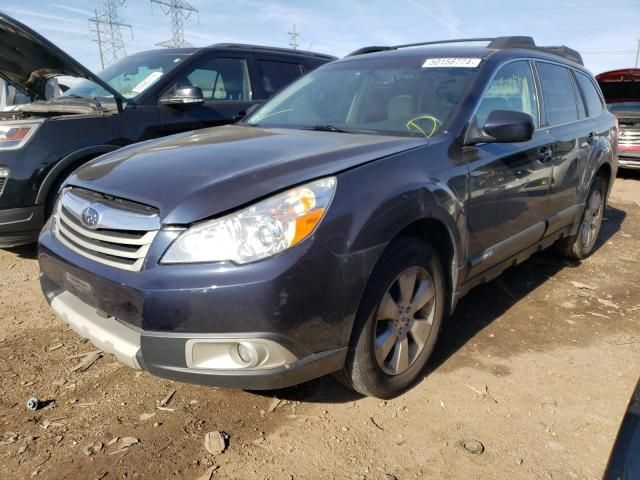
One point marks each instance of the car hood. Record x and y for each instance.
(200, 174)
(28, 60)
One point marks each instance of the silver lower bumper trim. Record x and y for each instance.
(107, 334)
(629, 163)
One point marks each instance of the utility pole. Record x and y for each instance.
(179, 11)
(106, 27)
(294, 38)
(638, 53)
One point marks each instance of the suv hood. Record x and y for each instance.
(197, 175)
(28, 60)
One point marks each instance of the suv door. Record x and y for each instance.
(226, 88)
(573, 140)
(508, 182)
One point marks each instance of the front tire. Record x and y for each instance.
(398, 321)
(581, 245)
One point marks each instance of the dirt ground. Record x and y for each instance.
(537, 368)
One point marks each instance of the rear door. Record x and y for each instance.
(226, 86)
(573, 139)
(508, 182)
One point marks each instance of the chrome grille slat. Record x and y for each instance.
(121, 238)
(629, 136)
(113, 252)
(3, 180)
(106, 236)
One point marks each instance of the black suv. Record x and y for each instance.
(336, 228)
(144, 96)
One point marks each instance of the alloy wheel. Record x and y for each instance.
(592, 220)
(404, 320)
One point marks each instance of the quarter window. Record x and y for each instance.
(511, 89)
(277, 75)
(590, 94)
(557, 91)
(220, 79)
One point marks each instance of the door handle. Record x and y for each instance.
(544, 154)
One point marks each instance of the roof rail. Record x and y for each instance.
(262, 48)
(494, 43)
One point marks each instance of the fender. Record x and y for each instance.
(393, 199)
(52, 175)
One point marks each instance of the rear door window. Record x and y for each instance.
(511, 89)
(277, 75)
(557, 92)
(590, 94)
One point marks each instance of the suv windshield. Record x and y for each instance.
(367, 97)
(130, 76)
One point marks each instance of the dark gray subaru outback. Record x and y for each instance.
(336, 228)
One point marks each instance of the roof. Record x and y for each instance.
(494, 44)
(237, 46)
(263, 48)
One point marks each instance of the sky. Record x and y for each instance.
(606, 32)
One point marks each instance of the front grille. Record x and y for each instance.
(629, 136)
(121, 235)
(3, 180)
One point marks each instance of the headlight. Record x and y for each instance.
(13, 137)
(257, 232)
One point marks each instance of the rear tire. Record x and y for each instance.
(398, 321)
(580, 245)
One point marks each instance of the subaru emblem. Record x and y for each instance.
(90, 217)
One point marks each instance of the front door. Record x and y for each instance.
(226, 88)
(508, 182)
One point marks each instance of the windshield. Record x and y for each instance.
(393, 98)
(130, 76)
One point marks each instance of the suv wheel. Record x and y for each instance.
(398, 321)
(581, 245)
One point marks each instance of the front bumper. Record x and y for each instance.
(629, 157)
(171, 355)
(629, 163)
(20, 226)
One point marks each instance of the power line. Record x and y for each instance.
(106, 28)
(179, 11)
(294, 38)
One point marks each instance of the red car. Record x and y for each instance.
(621, 89)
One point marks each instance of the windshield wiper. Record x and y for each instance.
(328, 128)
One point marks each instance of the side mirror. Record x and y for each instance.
(184, 96)
(502, 126)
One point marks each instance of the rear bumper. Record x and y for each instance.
(169, 355)
(20, 226)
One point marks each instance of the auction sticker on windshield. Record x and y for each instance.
(146, 83)
(451, 62)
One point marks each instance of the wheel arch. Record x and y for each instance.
(67, 165)
(436, 233)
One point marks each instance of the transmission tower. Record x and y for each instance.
(294, 38)
(106, 28)
(179, 11)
